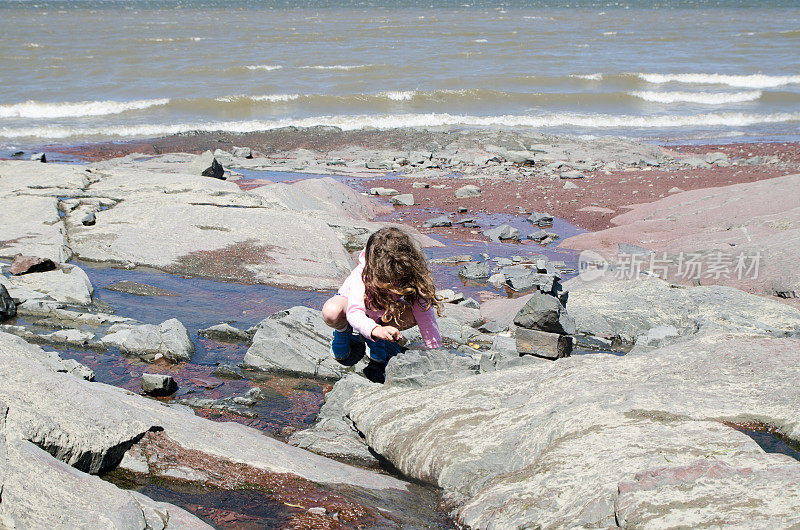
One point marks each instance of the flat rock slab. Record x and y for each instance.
(719, 225)
(40, 491)
(33, 178)
(325, 197)
(31, 225)
(152, 213)
(183, 234)
(418, 368)
(281, 234)
(68, 284)
(91, 425)
(649, 499)
(557, 443)
(139, 289)
(29, 219)
(628, 308)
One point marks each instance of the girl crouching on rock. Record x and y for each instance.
(390, 290)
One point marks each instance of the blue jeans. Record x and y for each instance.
(381, 350)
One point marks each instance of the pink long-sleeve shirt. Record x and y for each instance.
(363, 320)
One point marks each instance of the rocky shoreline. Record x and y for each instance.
(607, 398)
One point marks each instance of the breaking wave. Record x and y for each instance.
(336, 67)
(267, 67)
(703, 98)
(390, 121)
(273, 98)
(42, 110)
(745, 81)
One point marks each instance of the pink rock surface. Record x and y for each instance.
(30, 264)
(596, 209)
(757, 222)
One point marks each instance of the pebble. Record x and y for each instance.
(383, 192)
(405, 199)
(442, 220)
(469, 190)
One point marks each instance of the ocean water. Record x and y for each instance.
(90, 70)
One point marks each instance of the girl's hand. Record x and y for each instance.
(386, 333)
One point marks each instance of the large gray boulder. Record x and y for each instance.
(295, 340)
(544, 312)
(170, 339)
(608, 307)
(597, 439)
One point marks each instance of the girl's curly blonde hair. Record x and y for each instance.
(396, 275)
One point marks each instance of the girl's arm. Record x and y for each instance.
(428, 328)
(356, 310)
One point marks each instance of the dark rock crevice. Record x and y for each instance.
(88, 460)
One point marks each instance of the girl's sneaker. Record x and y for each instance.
(375, 372)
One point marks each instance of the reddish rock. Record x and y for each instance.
(30, 264)
(206, 382)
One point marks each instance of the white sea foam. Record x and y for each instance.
(336, 67)
(275, 98)
(42, 110)
(399, 95)
(590, 77)
(175, 39)
(703, 98)
(267, 67)
(745, 81)
(599, 121)
(480, 40)
(609, 33)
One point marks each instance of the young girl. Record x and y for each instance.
(390, 290)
